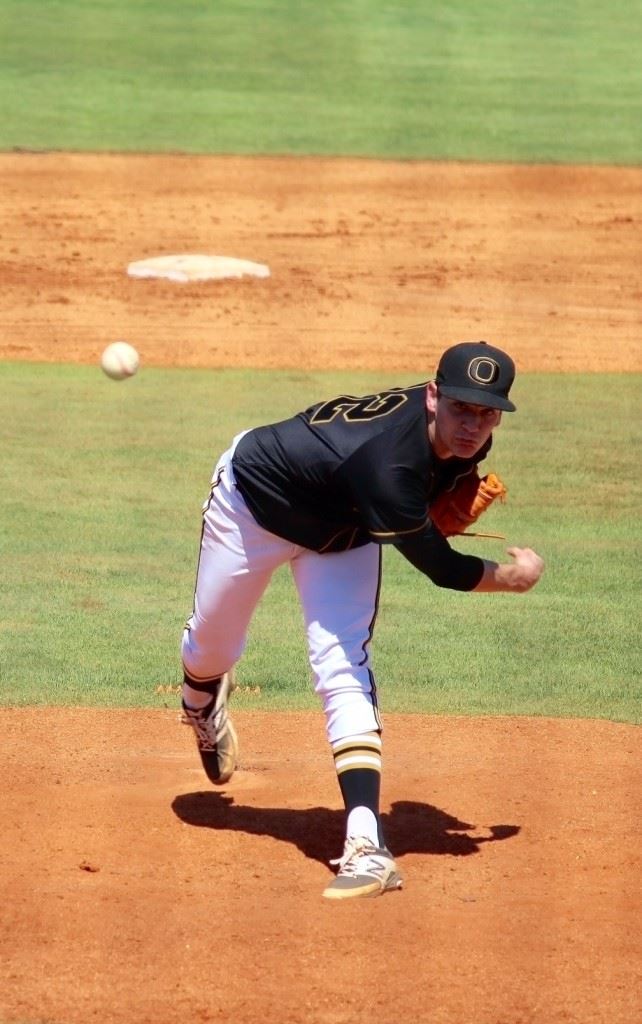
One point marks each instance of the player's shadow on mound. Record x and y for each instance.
(410, 827)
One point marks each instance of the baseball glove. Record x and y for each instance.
(453, 511)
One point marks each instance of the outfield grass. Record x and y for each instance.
(552, 80)
(100, 498)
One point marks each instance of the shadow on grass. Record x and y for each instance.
(318, 832)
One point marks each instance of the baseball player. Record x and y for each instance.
(323, 491)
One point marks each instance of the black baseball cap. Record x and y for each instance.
(477, 372)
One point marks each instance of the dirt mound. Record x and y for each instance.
(136, 893)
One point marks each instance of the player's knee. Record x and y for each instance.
(204, 660)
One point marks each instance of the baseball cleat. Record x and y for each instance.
(215, 735)
(364, 870)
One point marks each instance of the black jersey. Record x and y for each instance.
(353, 470)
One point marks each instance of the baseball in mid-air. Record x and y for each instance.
(120, 360)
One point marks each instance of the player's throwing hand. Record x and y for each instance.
(512, 577)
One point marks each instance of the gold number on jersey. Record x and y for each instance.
(356, 410)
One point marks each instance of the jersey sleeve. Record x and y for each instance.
(431, 553)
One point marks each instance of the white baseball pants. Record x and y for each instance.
(338, 595)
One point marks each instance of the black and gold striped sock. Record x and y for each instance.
(198, 694)
(357, 761)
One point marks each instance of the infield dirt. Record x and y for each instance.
(132, 891)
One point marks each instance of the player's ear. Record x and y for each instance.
(431, 396)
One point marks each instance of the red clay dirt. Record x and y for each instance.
(133, 892)
(373, 265)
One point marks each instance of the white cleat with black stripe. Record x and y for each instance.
(215, 735)
(364, 870)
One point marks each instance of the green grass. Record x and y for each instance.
(552, 80)
(100, 492)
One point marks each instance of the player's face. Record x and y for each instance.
(458, 428)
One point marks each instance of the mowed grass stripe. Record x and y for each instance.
(101, 490)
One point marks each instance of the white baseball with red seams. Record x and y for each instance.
(120, 360)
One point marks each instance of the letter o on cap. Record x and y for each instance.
(483, 370)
